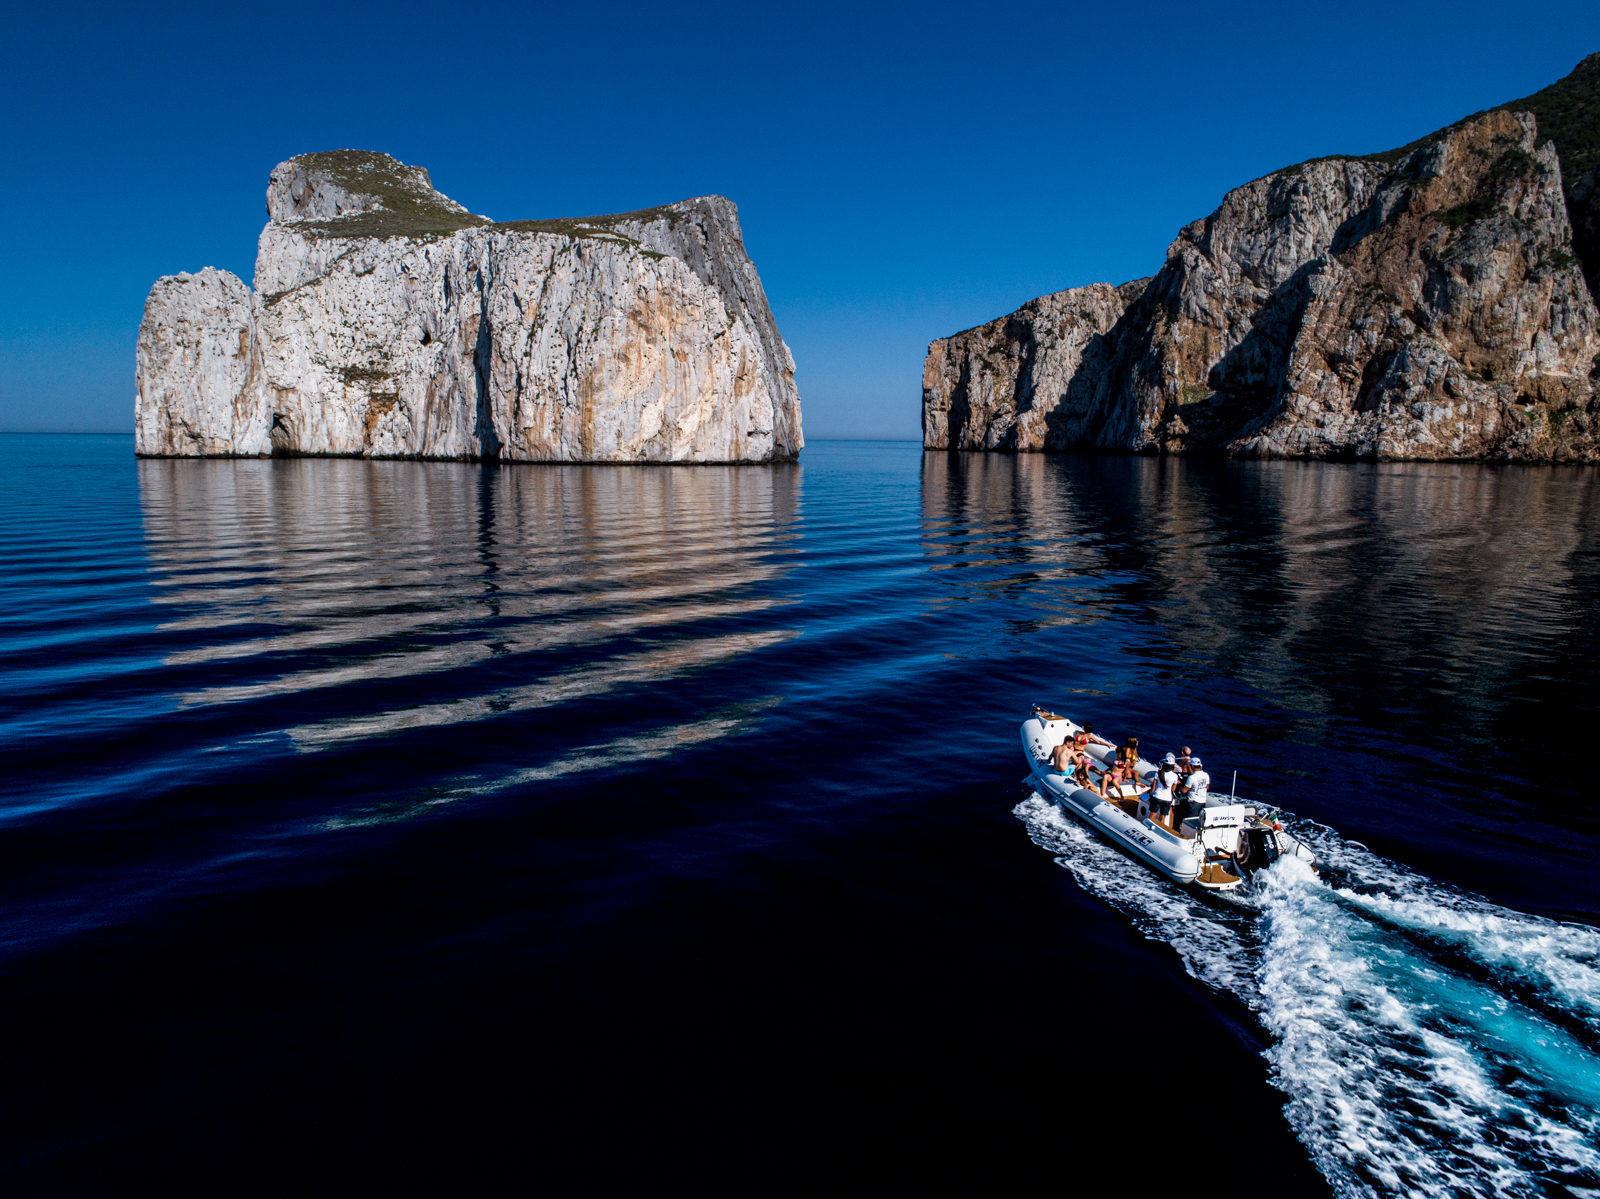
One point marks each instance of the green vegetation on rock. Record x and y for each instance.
(409, 205)
(1568, 112)
(1464, 214)
(594, 226)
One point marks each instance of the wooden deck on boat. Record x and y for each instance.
(1215, 874)
(1130, 805)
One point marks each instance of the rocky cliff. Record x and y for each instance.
(386, 321)
(1428, 303)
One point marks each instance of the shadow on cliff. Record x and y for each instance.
(960, 414)
(1248, 383)
(483, 427)
(1080, 410)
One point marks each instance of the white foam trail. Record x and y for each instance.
(1209, 939)
(1562, 961)
(1430, 1043)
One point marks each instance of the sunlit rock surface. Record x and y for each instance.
(388, 322)
(1428, 307)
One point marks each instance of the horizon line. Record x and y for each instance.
(129, 433)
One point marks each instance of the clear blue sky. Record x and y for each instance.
(902, 171)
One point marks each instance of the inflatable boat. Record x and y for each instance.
(1217, 846)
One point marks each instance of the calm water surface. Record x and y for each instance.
(334, 787)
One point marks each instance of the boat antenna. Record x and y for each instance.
(1234, 788)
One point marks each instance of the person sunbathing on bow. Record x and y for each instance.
(1086, 735)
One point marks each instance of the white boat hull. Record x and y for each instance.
(1143, 839)
(1182, 859)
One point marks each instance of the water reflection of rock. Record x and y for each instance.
(296, 576)
(1324, 584)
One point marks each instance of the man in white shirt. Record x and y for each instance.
(1197, 785)
(1161, 791)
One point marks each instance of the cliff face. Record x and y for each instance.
(387, 321)
(1422, 305)
(1029, 381)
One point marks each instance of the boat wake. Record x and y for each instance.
(1430, 1043)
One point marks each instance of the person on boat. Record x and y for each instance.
(1180, 802)
(1064, 757)
(1104, 784)
(1085, 737)
(1197, 785)
(1080, 774)
(1119, 772)
(1130, 755)
(1161, 791)
(1116, 773)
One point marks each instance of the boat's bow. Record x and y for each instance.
(1160, 849)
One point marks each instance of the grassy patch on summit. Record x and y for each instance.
(594, 226)
(411, 208)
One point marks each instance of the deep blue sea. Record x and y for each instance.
(358, 815)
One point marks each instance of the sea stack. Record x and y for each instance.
(1426, 303)
(387, 321)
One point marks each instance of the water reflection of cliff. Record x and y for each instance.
(468, 592)
(1427, 595)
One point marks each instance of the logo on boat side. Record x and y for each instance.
(1134, 834)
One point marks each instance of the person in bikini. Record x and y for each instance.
(1081, 775)
(1080, 742)
(1130, 756)
(1086, 735)
(1113, 778)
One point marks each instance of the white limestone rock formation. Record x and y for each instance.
(1422, 305)
(389, 322)
(199, 364)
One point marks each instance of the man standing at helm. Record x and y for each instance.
(1196, 785)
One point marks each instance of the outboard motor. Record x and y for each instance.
(1258, 850)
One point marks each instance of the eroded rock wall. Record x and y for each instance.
(1033, 380)
(199, 366)
(1432, 308)
(386, 321)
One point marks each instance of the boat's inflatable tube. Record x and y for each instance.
(1164, 852)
